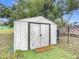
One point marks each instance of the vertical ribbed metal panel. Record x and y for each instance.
(34, 36)
(17, 37)
(53, 34)
(44, 35)
(24, 35)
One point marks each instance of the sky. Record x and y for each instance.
(4, 19)
(74, 18)
(7, 3)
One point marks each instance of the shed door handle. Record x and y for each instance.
(40, 35)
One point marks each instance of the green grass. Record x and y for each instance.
(53, 53)
(5, 29)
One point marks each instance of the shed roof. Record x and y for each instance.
(38, 19)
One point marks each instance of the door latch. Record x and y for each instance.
(40, 34)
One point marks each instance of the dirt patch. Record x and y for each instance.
(43, 49)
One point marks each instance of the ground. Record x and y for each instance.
(6, 48)
(73, 45)
(53, 53)
(5, 29)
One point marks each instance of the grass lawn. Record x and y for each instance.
(5, 29)
(53, 53)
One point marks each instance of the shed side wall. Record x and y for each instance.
(17, 39)
(20, 36)
(24, 36)
(53, 34)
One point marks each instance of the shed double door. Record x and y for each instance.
(39, 35)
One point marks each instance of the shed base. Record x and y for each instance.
(44, 48)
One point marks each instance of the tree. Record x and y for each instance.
(29, 8)
(4, 11)
(51, 9)
(1, 9)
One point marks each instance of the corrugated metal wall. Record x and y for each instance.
(24, 35)
(53, 34)
(21, 35)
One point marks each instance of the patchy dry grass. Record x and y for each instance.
(73, 46)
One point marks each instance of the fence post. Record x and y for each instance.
(58, 36)
(68, 34)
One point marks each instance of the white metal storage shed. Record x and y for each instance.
(32, 33)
